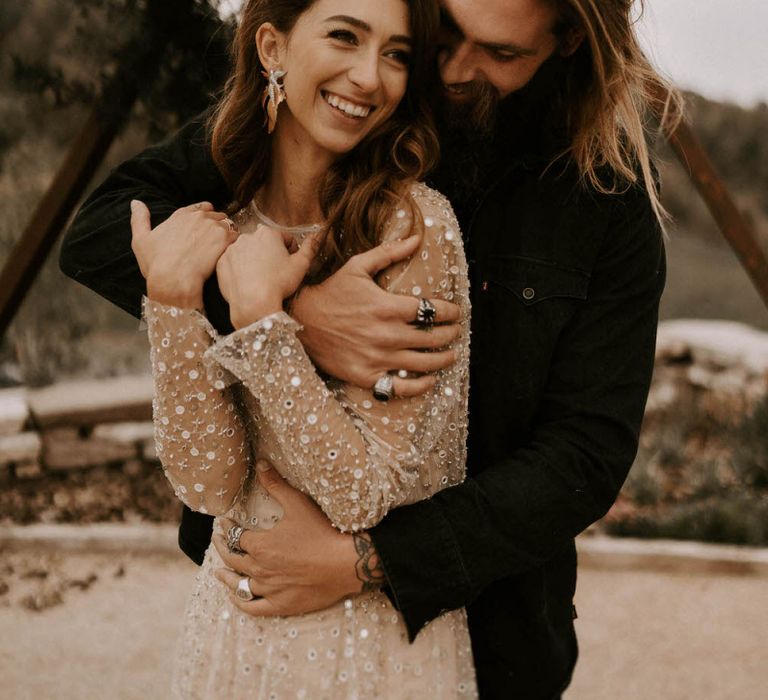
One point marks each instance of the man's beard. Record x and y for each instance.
(483, 130)
(476, 113)
(467, 129)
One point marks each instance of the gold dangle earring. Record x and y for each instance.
(274, 96)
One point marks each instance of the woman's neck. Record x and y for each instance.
(290, 195)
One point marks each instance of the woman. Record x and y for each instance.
(324, 128)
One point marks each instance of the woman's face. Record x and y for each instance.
(346, 64)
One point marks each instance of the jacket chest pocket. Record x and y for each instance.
(520, 306)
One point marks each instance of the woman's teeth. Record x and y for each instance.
(347, 107)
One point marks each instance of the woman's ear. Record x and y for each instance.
(270, 44)
(571, 42)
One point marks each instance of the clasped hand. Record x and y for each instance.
(256, 272)
(261, 269)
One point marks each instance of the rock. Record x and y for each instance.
(133, 434)
(14, 410)
(28, 470)
(83, 583)
(22, 447)
(43, 599)
(133, 468)
(65, 448)
(149, 450)
(662, 395)
(718, 343)
(125, 399)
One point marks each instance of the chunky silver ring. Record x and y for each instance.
(384, 389)
(426, 314)
(231, 225)
(233, 539)
(243, 590)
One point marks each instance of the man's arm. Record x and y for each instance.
(96, 250)
(517, 514)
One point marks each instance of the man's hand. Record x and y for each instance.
(355, 331)
(301, 565)
(178, 256)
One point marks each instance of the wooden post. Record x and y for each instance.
(716, 196)
(160, 28)
(84, 157)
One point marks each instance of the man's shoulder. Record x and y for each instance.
(558, 217)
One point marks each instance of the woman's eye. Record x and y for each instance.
(343, 35)
(403, 57)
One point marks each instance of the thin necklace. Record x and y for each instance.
(295, 230)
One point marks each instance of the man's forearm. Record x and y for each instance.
(368, 565)
(96, 250)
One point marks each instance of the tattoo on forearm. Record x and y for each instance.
(368, 565)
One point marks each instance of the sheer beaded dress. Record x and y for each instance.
(222, 402)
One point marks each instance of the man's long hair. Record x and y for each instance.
(364, 186)
(612, 96)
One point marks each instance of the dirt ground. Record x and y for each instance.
(84, 626)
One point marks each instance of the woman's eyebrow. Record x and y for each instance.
(364, 26)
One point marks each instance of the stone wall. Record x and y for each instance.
(75, 425)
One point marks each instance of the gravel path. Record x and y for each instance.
(108, 625)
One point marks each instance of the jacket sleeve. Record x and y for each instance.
(96, 250)
(517, 514)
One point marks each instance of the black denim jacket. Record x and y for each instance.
(565, 290)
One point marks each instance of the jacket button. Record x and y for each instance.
(529, 293)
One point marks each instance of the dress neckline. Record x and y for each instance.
(301, 230)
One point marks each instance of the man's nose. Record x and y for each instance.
(457, 64)
(365, 72)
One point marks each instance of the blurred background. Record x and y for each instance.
(690, 481)
(702, 469)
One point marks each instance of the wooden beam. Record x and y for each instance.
(716, 196)
(52, 213)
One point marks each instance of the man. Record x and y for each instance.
(547, 167)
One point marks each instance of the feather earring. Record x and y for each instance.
(274, 96)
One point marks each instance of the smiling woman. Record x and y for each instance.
(359, 75)
(324, 127)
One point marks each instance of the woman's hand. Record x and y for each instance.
(181, 253)
(259, 271)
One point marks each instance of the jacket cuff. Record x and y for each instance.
(404, 540)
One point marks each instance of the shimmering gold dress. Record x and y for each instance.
(223, 401)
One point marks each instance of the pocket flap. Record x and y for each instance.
(532, 281)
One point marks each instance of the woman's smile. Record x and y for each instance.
(346, 107)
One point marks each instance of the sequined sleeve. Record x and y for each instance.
(199, 434)
(355, 456)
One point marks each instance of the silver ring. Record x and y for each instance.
(384, 388)
(243, 590)
(233, 539)
(426, 314)
(231, 225)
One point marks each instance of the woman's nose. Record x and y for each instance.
(457, 64)
(365, 72)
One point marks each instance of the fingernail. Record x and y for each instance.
(263, 466)
(134, 204)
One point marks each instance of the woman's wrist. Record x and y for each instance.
(242, 316)
(190, 298)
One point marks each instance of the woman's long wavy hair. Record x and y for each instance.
(613, 97)
(363, 187)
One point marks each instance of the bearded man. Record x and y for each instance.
(546, 163)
